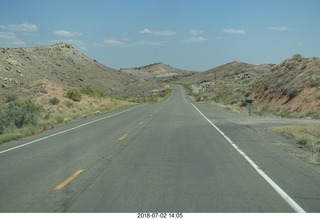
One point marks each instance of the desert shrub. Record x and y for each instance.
(290, 65)
(188, 89)
(9, 137)
(199, 98)
(18, 114)
(313, 114)
(303, 141)
(11, 98)
(221, 96)
(29, 112)
(262, 110)
(88, 90)
(291, 93)
(233, 101)
(297, 57)
(315, 79)
(74, 94)
(91, 91)
(54, 101)
(69, 104)
(285, 114)
(165, 92)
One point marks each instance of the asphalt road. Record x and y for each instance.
(173, 156)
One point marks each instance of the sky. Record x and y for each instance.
(187, 34)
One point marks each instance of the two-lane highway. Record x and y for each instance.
(164, 157)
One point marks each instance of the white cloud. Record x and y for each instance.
(146, 31)
(195, 32)
(110, 42)
(113, 42)
(148, 43)
(194, 40)
(234, 31)
(66, 33)
(9, 39)
(24, 27)
(158, 33)
(279, 28)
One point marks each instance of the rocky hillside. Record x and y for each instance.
(61, 64)
(235, 78)
(158, 71)
(292, 86)
(290, 89)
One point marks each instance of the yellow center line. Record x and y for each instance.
(123, 137)
(68, 180)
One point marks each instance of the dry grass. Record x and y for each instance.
(304, 135)
(51, 113)
(56, 108)
(69, 110)
(64, 113)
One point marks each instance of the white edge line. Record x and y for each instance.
(277, 188)
(68, 130)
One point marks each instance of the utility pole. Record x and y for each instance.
(215, 79)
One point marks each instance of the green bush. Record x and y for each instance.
(91, 91)
(165, 92)
(9, 137)
(198, 98)
(221, 96)
(303, 141)
(69, 104)
(88, 90)
(54, 101)
(74, 94)
(18, 114)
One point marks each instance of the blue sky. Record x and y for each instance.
(187, 34)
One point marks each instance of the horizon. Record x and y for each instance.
(188, 35)
(160, 62)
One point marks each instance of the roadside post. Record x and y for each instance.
(249, 105)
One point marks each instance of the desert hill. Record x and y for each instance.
(292, 86)
(234, 77)
(48, 85)
(61, 64)
(159, 71)
(233, 72)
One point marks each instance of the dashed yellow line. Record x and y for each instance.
(123, 137)
(68, 180)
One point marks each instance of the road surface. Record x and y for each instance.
(173, 156)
